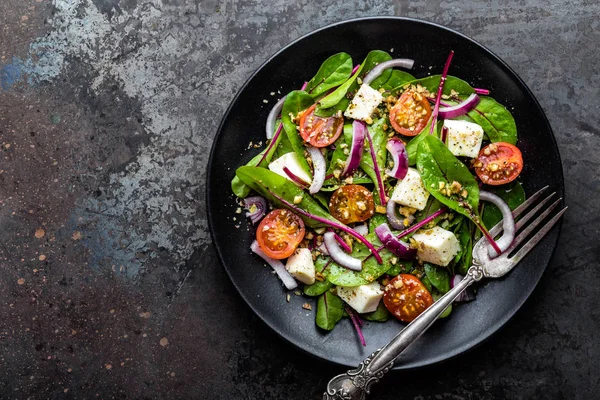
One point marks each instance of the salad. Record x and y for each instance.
(374, 185)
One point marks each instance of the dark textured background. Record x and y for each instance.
(109, 284)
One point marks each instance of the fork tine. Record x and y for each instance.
(537, 237)
(519, 210)
(520, 223)
(530, 228)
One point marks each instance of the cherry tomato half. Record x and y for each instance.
(498, 163)
(406, 297)
(410, 113)
(279, 233)
(352, 203)
(319, 131)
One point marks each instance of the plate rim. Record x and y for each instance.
(486, 334)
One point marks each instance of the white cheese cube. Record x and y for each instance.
(290, 160)
(364, 103)
(300, 265)
(364, 298)
(410, 191)
(463, 138)
(436, 245)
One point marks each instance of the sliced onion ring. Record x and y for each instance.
(459, 109)
(260, 209)
(380, 186)
(508, 222)
(338, 255)
(319, 169)
(467, 295)
(359, 129)
(395, 220)
(362, 229)
(399, 156)
(396, 246)
(289, 282)
(397, 62)
(275, 111)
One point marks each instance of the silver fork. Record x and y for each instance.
(355, 384)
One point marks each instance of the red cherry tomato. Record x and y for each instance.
(320, 131)
(498, 163)
(279, 233)
(352, 203)
(410, 113)
(406, 297)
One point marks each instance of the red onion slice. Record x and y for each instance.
(467, 295)
(395, 220)
(356, 67)
(319, 169)
(359, 129)
(338, 255)
(275, 111)
(341, 242)
(508, 222)
(398, 247)
(260, 208)
(362, 229)
(397, 62)
(289, 282)
(484, 92)
(459, 109)
(399, 156)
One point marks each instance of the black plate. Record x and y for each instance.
(243, 123)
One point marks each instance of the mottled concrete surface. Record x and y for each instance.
(109, 284)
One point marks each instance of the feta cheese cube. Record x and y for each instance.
(364, 103)
(364, 298)
(290, 160)
(410, 191)
(463, 138)
(436, 245)
(300, 265)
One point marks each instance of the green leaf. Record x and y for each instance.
(412, 147)
(464, 233)
(379, 315)
(295, 101)
(330, 309)
(427, 283)
(338, 100)
(447, 311)
(512, 193)
(432, 83)
(333, 72)
(239, 188)
(439, 277)
(264, 182)
(437, 164)
(375, 221)
(317, 288)
(496, 121)
(401, 267)
(396, 78)
(371, 270)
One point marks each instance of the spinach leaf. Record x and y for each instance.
(264, 182)
(284, 146)
(338, 100)
(427, 283)
(339, 156)
(371, 270)
(397, 78)
(432, 83)
(496, 121)
(239, 188)
(296, 101)
(317, 288)
(512, 193)
(375, 221)
(401, 267)
(330, 309)
(439, 277)
(333, 72)
(379, 315)
(464, 233)
(447, 311)
(437, 166)
(412, 147)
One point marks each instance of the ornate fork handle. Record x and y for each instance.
(355, 384)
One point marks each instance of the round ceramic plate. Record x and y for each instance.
(428, 44)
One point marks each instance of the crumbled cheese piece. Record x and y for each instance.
(436, 245)
(364, 103)
(410, 191)
(463, 138)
